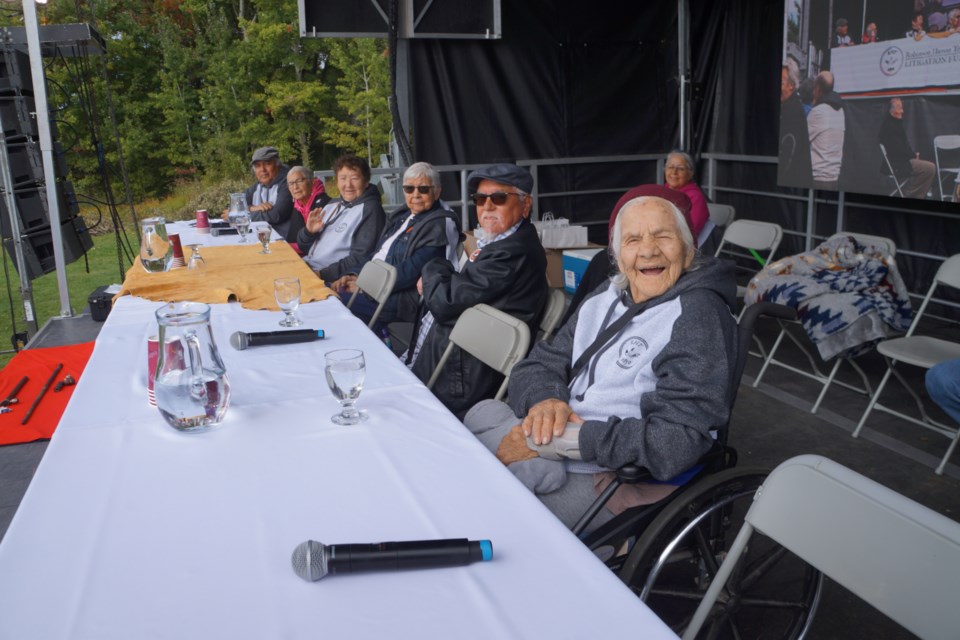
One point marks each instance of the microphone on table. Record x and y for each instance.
(241, 340)
(313, 560)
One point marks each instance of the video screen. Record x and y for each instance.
(870, 97)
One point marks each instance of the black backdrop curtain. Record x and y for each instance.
(573, 79)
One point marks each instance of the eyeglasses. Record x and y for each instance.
(424, 189)
(499, 198)
(296, 183)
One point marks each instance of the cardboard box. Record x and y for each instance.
(575, 262)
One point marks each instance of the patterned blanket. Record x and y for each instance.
(848, 296)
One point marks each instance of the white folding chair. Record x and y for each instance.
(759, 238)
(495, 338)
(893, 553)
(887, 245)
(376, 279)
(552, 312)
(924, 352)
(721, 215)
(892, 174)
(946, 143)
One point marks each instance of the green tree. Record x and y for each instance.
(362, 92)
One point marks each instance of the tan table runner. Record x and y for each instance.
(232, 273)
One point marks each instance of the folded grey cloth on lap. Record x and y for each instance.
(490, 421)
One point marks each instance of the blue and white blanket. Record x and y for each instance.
(848, 296)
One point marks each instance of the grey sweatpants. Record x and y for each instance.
(567, 495)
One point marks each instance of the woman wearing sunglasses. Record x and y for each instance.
(339, 238)
(416, 234)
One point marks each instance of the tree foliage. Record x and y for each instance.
(196, 85)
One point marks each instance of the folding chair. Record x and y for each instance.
(890, 551)
(892, 174)
(495, 338)
(721, 215)
(552, 312)
(924, 352)
(755, 237)
(376, 279)
(887, 245)
(946, 143)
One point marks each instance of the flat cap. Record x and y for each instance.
(841, 22)
(504, 174)
(265, 153)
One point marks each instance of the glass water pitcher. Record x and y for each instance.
(190, 381)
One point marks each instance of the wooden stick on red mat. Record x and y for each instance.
(40, 395)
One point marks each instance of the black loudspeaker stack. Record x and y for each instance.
(18, 119)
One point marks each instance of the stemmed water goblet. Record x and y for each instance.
(345, 370)
(287, 293)
(263, 235)
(196, 260)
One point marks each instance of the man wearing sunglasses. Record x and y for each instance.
(416, 234)
(507, 271)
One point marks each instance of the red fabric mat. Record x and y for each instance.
(38, 364)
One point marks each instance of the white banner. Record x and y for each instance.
(897, 64)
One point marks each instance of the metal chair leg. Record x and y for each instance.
(873, 400)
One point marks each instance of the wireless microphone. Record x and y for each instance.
(241, 340)
(313, 560)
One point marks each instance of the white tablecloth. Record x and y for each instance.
(131, 530)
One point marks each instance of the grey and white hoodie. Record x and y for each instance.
(651, 395)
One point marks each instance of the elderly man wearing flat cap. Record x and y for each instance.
(269, 198)
(507, 271)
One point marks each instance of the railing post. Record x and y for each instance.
(535, 213)
(811, 217)
(465, 202)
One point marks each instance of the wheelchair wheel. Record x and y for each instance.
(771, 594)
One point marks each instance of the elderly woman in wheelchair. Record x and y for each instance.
(642, 374)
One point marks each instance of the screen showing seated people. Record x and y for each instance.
(870, 97)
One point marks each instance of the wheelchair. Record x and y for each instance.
(668, 552)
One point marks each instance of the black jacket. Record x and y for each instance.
(424, 239)
(794, 167)
(284, 219)
(508, 274)
(893, 137)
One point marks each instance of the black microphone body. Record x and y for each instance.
(241, 340)
(313, 560)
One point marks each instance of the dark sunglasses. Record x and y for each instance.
(422, 188)
(499, 198)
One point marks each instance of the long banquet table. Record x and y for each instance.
(130, 529)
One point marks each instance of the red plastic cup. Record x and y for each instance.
(203, 221)
(174, 357)
(177, 251)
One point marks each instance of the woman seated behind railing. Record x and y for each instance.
(641, 374)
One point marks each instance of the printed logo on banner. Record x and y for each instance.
(891, 61)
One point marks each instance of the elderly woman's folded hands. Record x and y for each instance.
(545, 421)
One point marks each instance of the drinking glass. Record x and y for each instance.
(241, 222)
(196, 260)
(287, 293)
(345, 369)
(263, 235)
(238, 215)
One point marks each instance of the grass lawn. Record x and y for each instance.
(98, 268)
